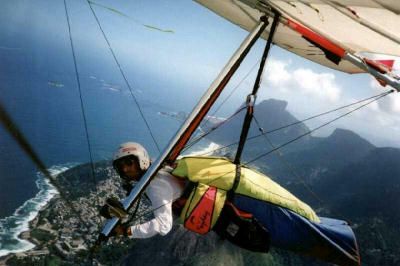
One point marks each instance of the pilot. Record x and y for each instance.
(131, 161)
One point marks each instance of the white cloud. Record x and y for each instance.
(374, 106)
(378, 121)
(395, 103)
(320, 86)
(277, 73)
(309, 92)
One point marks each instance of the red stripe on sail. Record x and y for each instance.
(313, 36)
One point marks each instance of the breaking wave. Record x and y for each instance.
(203, 148)
(11, 227)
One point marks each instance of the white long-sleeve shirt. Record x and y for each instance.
(162, 191)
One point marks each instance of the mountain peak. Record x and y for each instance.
(341, 132)
(273, 104)
(348, 136)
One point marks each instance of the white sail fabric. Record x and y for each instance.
(361, 27)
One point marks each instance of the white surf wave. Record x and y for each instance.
(203, 148)
(11, 227)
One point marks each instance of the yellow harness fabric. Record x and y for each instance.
(220, 172)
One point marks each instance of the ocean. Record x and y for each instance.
(39, 89)
(50, 118)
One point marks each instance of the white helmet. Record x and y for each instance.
(135, 149)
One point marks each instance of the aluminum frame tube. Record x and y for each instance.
(221, 80)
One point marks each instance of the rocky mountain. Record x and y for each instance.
(310, 156)
(366, 192)
(340, 148)
(322, 156)
(270, 114)
(371, 185)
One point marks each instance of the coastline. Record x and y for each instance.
(16, 236)
(55, 233)
(26, 235)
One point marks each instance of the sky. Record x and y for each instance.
(202, 43)
(171, 51)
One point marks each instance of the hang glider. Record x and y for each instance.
(352, 36)
(311, 29)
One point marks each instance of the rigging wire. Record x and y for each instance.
(124, 76)
(324, 113)
(133, 214)
(287, 164)
(301, 121)
(297, 138)
(97, 201)
(319, 127)
(80, 93)
(140, 215)
(196, 140)
(291, 169)
(81, 97)
(233, 91)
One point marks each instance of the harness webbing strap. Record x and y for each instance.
(252, 97)
(236, 182)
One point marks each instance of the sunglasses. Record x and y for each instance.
(124, 162)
